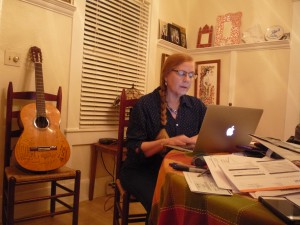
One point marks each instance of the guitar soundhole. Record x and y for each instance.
(41, 122)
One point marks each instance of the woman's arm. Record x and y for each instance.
(152, 147)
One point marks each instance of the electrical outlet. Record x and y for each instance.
(110, 188)
(12, 58)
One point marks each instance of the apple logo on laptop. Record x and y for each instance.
(230, 131)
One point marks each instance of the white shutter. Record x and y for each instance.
(114, 57)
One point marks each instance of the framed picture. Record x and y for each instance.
(174, 34)
(228, 29)
(182, 35)
(163, 30)
(163, 59)
(205, 36)
(207, 84)
(183, 40)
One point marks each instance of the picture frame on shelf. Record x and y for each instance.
(228, 29)
(183, 40)
(163, 30)
(174, 35)
(182, 35)
(205, 35)
(207, 84)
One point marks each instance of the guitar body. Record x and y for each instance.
(33, 149)
(41, 147)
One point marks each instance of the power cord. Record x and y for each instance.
(110, 196)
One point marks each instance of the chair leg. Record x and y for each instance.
(10, 201)
(53, 200)
(125, 209)
(76, 198)
(116, 208)
(4, 200)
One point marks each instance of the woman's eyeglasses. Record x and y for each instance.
(183, 73)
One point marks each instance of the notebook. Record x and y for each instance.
(224, 129)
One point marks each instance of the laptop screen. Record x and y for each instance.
(226, 127)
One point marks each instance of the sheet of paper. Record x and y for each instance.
(290, 155)
(294, 198)
(275, 193)
(279, 143)
(221, 180)
(257, 175)
(203, 184)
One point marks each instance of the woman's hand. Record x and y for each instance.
(152, 147)
(181, 140)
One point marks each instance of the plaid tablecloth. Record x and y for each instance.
(175, 204)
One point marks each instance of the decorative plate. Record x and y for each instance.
(274, 33)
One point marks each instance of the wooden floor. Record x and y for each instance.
(99, 211)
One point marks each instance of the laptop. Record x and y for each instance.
(224, 129)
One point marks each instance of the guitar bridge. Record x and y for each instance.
(43, 148)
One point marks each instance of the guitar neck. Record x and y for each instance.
(39, 86)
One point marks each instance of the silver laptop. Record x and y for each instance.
(224, 128)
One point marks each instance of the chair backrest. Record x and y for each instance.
(124, 111)
(12, 129)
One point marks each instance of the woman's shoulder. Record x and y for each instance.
(150, 97)
(148, 102)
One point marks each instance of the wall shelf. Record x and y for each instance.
(55, 6)
(281, 44)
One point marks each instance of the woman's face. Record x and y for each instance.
(179, 85)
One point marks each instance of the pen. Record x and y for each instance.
(204, 172)
(186, 168)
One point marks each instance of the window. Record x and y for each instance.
(114, 57)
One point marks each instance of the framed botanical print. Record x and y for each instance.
(207, 85)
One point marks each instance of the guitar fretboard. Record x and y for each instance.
(39, 86)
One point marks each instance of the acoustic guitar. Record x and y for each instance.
(41, 146)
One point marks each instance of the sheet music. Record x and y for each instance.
(256, 174)
(204, 184)
(221, 180)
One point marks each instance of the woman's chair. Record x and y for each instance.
(14, 177)
(123, 199)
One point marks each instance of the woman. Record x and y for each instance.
(165, 116)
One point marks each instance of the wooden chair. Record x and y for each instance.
(123, 198)
(14, 177)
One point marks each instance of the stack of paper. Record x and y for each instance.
(204, 184)
(232, 173)
(259, 177)
(286, 150)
